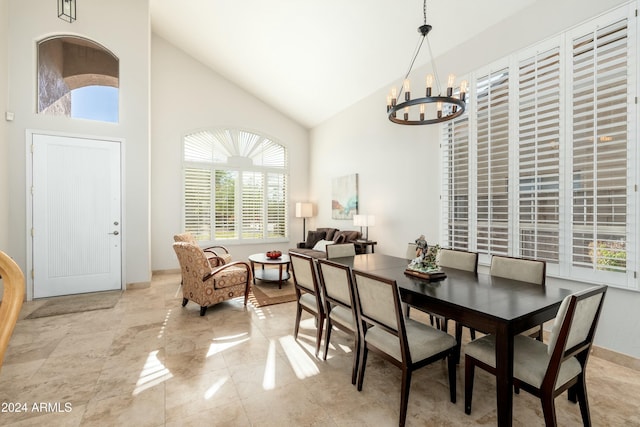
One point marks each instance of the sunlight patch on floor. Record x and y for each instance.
(215, 387)
(153, 373)
(299, 359)
(269, 379)
(224, 343)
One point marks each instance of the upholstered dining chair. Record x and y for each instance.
(524, 270)
(338, 250)
(308, 296)
(459, 260)
(547, 370)
(337, 288)
(205, 285)
(405, 343)
(411, 251)
(12, 298)
(217, 255)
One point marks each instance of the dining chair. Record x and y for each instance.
(523, 270)
(337, 288)
(411, 251)
(459, 260)
(308, 296)
(547, 370)
(338, 250)
(405, 343)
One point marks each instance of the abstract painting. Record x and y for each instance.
(344, 197)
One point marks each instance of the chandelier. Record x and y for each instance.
(432, 109)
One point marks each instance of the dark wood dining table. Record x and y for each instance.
(498, 306)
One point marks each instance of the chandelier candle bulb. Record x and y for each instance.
(463, 89)
(429, 84)
(421, 111)
(394, 96)
(406, 113)
(407, 90)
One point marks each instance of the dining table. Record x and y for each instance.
(493, 305)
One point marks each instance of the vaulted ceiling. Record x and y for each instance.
(312, 59)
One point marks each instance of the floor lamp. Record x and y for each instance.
(304, 210)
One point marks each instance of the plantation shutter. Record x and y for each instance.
(225, 200)
(276, 205)
(455, 200)
(252, 205)
(197, 202)
(599, 130)
(539, 156)
(492, 116)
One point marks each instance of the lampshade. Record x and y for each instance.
(364, 220)
(304, 210)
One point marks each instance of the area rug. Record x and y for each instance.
(76, 303)
(263, 294)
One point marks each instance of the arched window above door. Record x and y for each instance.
(77, 78)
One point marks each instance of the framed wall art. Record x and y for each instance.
(344, 197)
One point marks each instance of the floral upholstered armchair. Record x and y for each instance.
(206, 285)
(217, 255)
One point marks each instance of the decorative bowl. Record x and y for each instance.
(274, 254)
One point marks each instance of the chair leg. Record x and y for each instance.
(581, 392)
(298, 315)
(203, 310)
(356, 360)
(469, 369)
(362, 365)
(320, 323)
(452, 361)
(572, 394)
(458, 341)
(184, 301)
(327, 337)
(404, 395)
(549, 410)
(473, 333)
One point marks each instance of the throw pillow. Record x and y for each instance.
(314, 237)
(322, 245)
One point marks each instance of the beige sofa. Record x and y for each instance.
(327, 234)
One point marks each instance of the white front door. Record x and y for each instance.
(76, 215)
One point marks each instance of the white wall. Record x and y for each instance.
(399, 166)
(127, 35)
(187, 96)
(4, 144)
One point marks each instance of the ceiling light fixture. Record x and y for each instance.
(446, 107)
(67, 10)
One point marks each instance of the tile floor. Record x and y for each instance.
(150, 362)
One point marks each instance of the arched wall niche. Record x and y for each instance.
(67, 63)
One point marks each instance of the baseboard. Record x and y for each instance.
(138, 285)
(615, 357)
(171, 271)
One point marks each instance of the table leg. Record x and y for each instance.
(373, 249)
(504, 376)
(279, 276)
(253, 272)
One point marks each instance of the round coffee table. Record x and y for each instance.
(270, 274)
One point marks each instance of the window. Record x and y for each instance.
(77, 78)
(235, 186)
(544, 165)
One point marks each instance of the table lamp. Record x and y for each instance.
(364, 221)
(304, 210)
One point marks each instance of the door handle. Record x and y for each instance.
(115, 233)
